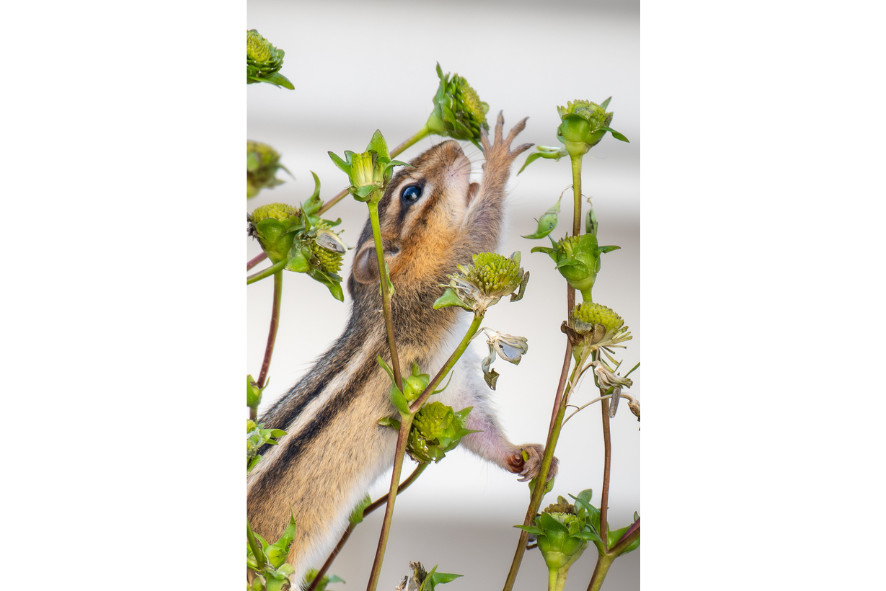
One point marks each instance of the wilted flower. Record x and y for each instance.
(263, 61)
(458, 111)
(610, 382)
(595, 326)
(508, 347)
(583, 125)
(262, 164)
(478, 286)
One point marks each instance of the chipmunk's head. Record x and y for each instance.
(421, 216)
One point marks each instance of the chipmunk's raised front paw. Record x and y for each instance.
(527, 462)
(500, 149)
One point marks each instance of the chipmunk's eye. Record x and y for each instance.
(410, 194)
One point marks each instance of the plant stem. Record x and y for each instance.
(369, 509)
(576, 194)
(384, 280)
(266, 272)
(256, 260)
(272, 331)
(450, 363)
(255, 546)
(604, 561)
(560, 401)
(607, 466)
(338, 197)
(629, 536)
(402, 436)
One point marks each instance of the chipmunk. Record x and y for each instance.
(432, 218)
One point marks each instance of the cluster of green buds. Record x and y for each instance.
(578, 257)
(267, 562)
(368, 171)
(594, 327)
(263, 61)
(458, 111)
(508, 347)
(562, 532)
(256, 437)
(300, 241)
(476, 287)
(421, 580)
(262, 164)
(436, 430)
(583, 124)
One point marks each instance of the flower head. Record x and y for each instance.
(478, 286)
(583, 124)
(262, 164)
(593, 326)
(263, 61)
(458, 111)
(436, 430)
(368, 171)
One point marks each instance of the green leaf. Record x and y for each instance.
(617, 135)
(531, 529)
(547, 222)
(399, 400)
(357, 514)
(545, 152)
(343, 166)
(450, 298)
(605, 249)
(277, 551)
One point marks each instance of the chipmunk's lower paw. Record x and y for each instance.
(500, 149)
(527, 462)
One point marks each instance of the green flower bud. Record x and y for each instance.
(583, 124)
(578, 260)
(436, 430)
(263, 61)
(478, 286)
(262, 164)
(368, 171)
(271, 224)
(253, 392)
(458, 111)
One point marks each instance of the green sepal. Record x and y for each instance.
(313, 203)
(363, 193)
(378, 145)
(389, 422)
(275, 238)
(605, 249)
(344, 166)
(450, 298)
(547, 222)
(253, 392)
(616, 134)
(277, 79)
(299, 258)
(531, 529)
(331, 280)
(277, 552)
(434, 578)
(546, 152)
(549, 486)
(357, 514)
(518, 295)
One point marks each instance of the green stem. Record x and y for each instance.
(402, 437)
(369, 509)
(399, 149)
(256, 547)
(562, 398)
(272, 330)
(385, 281)
(576, 194)
(604, 561)
(266, 273)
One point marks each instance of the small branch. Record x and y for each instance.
(266, 272)
(385, 292)
(604, 561)
(559, 409)
(272, 330)
(578, 409)
(256, 260)
(369, 509)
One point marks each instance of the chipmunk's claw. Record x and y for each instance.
(529, 467)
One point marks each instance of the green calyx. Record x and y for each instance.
(368, 171)
(458, 111)
(578, 260)
(262, 164)
(263, 61)
(583, 124)
(271, 224)
(436, 430)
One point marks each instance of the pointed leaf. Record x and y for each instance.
(378, 145)
(341, 164)
(449, 298)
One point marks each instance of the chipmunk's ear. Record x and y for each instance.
(366, 264)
